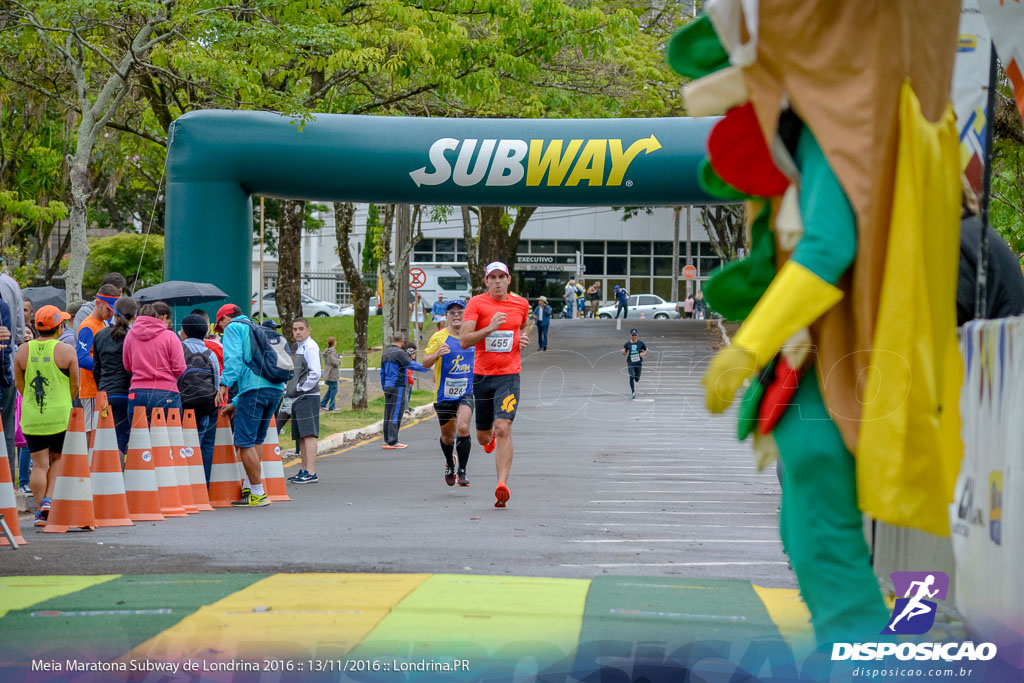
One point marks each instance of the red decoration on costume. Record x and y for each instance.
(777, 397)
(740, 156)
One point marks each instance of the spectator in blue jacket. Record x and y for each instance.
(254, 404)
(542, 314)
(393, 364)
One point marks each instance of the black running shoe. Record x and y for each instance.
(462, 478)
(449, 475)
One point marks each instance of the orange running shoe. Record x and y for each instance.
(501, 495)
(394, 446)
(489, 448)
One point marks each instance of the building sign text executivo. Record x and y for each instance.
(503, 163)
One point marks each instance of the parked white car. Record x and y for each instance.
(351, 310)
(311, 308)
(651, 305)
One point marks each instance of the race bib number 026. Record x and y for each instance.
(499, 341)
(455, 387)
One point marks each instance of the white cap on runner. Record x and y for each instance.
(495, 265)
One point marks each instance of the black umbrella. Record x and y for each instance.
(180, 293)
(45, 296)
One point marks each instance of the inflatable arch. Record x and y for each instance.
(216, 161)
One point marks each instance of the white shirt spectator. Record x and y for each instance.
(311, 352)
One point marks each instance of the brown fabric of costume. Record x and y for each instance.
(840, 65)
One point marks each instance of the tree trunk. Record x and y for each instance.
(344, 216)
(79, 217)
(289, 266)
(387, 296)
(476, 273)
(62, 249)
(725, 229)
(498, 242)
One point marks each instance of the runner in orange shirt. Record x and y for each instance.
(503, 319)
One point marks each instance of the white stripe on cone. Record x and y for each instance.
(225, 472)
(140, 480)
(72, 488)
(107, 484)
(7, 499)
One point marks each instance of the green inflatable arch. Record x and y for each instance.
(217, 160)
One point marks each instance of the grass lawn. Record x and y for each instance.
(344, 420)
(342, 328)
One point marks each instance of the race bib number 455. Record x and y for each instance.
(499, 341)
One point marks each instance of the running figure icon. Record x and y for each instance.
(915, 607)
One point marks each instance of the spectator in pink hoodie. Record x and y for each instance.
(153, 354)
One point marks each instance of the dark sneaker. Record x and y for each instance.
(462, 478)
(308, 478)
(501, 495)
(297, 475)
(449, 475)
(634, 394)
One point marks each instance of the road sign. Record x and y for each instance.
(689, 272)
(417, 278)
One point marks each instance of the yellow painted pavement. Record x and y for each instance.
(20, 592)
(285, 615)
(790, 615)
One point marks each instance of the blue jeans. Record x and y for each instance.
(542, 336)
(154, 398)
(24, 464)
(122, 420)
(623, 308)
(330, 398)
(207, 428)
(254, 409)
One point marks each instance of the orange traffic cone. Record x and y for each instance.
(180, 458)
(8, 503)
(108, 495)
(196, 473)
(140, 474)
(166, 479)
(72, 494)
(271, 469)
(226, 473)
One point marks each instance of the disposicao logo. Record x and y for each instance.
(502, 163)
(914, 614)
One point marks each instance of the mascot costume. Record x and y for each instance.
(839, 136)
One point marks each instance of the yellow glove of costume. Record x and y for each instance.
(795, 298)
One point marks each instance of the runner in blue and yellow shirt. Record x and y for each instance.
(453, 377)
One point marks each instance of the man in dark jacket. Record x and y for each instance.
(393, 364)
(1004, 293)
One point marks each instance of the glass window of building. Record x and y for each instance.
(663, 287)
(618, 248)
(663, 265)
(638, 285)
(591, 247)
(567, 246)
(524, 247)
(594, 265)
(638, 248)
(663, 248)
(444, 246)
(639, 265)
(616, 265)
(542, 246)
(707, 265)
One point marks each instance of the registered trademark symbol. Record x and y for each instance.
(629, 183)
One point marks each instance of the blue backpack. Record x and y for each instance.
(270, 358)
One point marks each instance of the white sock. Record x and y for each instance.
(257, 489)
(245, 482)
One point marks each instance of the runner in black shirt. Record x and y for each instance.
(634, 350)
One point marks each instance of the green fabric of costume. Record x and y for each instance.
(821, 524)
(829, 244)
(735, 288)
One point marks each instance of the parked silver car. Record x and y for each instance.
(311, 308)
(351, 311)
(651, 305)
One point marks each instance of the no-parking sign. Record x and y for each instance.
(417, 278)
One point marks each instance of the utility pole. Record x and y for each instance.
(403, 233)
(689, 253)
(676, 210)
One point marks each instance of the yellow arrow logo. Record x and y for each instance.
(509, 404)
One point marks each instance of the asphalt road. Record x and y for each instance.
(601, 484)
